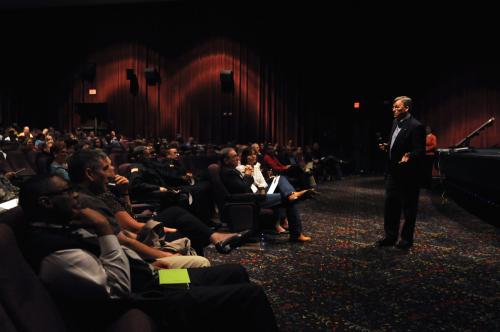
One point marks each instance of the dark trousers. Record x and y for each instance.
(401, 195)
(203, 203)
(275, 202)
(187, 225)
(220, 298)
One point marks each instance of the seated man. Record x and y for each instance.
(175, 175)
(92, 170)
(147, 182)
(92, 179)
(326, 166)
(237, 184)
(76, 254)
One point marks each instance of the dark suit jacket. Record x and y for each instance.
(145, 178)
(233, 181)
(411, 139)
(173, 172)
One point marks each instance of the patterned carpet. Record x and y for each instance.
(449, 280)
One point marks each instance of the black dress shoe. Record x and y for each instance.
(227, 245)
(309, 194)
(245, 234)
(404, 245)
(385, 242)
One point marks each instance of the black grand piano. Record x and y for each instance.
(474, 173)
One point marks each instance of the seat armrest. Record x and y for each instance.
(245, 198)
(143, 217)
(138, 207)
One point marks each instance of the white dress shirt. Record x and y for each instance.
(83, 275)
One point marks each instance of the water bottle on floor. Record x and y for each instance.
(262, 242)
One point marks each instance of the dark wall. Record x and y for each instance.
(298, 69)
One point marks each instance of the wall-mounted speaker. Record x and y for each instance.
(152, 76)
(226, 80)
(130, 74)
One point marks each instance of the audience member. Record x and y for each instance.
(236, 184)
(64, 239)
(59, 165)
(180, 222)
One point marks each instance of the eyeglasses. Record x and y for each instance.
(68, 191)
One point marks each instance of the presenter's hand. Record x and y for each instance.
(405, 158)
(383, 146)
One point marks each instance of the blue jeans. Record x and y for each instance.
(276, 201)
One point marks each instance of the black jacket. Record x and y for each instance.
(234, 182)
(411, 139)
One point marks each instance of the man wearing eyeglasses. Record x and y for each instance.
(405, 151)
(77, 255)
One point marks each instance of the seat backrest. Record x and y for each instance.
(219, 190)
(10, 146)
(43, 162)
(31, 157)
(118, 157)
(14, 218)
(188, 162)
(4, 165)
(124, 169)
(17, 161)
(26, 305)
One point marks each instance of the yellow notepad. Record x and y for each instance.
(173, 276)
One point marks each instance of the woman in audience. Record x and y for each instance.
(249, 160)
(302, 179)
(305, 162)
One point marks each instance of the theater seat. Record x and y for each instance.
(240, 211)
(124, 169)
(18, 162)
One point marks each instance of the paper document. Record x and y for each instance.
(9, 204)
(273, 185)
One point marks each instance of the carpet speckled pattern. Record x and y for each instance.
(448, 281)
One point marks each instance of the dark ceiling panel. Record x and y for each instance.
(17, 4)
